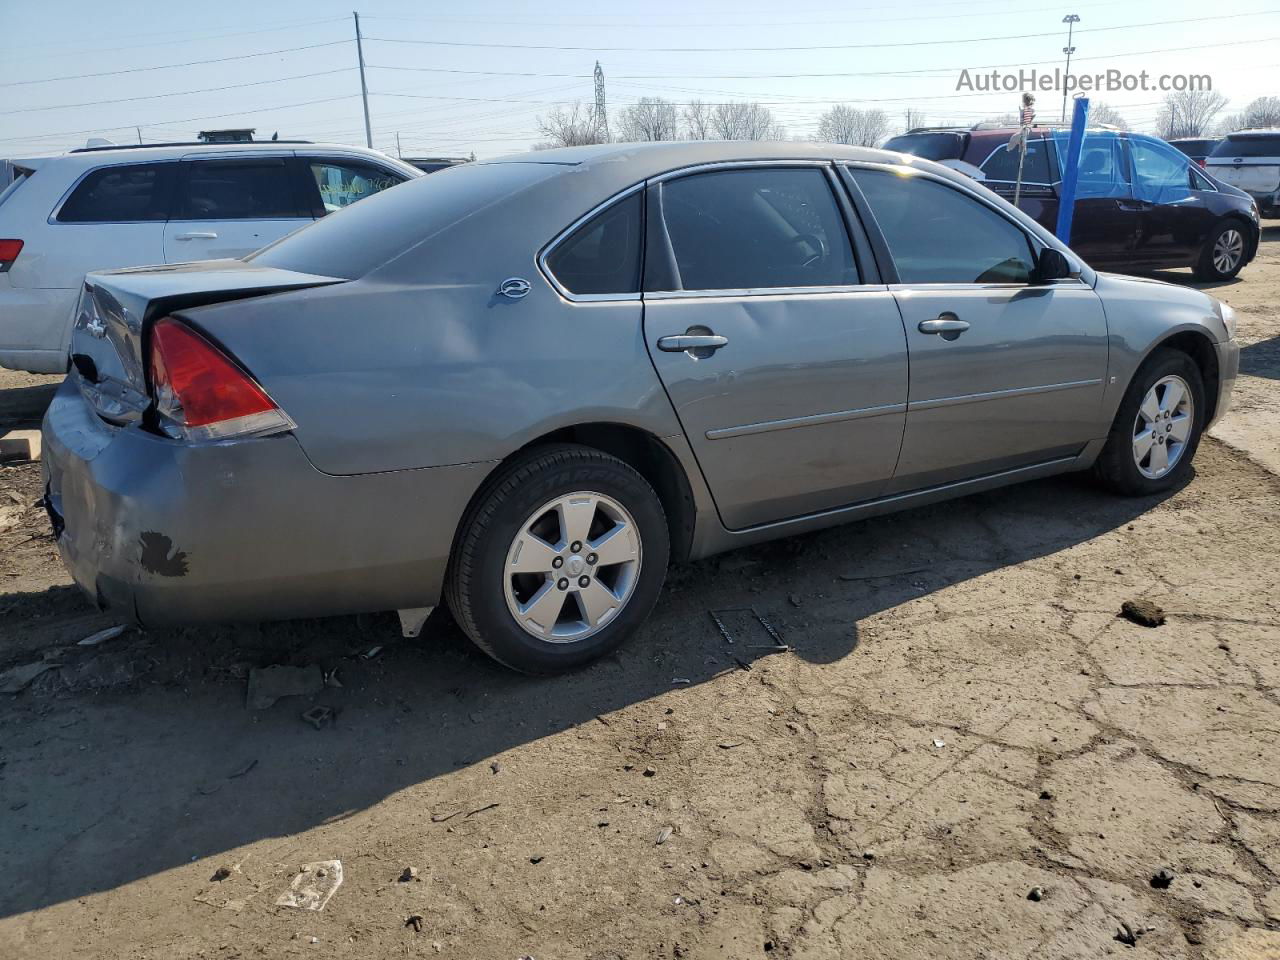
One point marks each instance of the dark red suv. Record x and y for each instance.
(1140, 203)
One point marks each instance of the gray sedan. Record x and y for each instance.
(524, 386)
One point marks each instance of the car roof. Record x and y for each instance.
(650, 159)
(1256, 133)
(88, 159)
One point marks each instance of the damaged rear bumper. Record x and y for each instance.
(164, 532)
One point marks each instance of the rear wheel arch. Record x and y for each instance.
(641, 450)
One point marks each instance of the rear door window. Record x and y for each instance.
(241, 189)
(1039, 167)
(603, 255)
(938, 234)
(343, 182)
(756, 228)
(131, 193)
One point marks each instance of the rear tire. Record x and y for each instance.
(1222, 255)
(1165, 403)
(591, 516)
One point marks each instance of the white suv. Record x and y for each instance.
(100, 208)
(1250, 160)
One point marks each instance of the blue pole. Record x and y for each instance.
(1067, 200)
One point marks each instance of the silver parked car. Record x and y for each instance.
(523, 386)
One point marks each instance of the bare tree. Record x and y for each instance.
(1103, 113)
(1260, 114)
(1189, 113)
(697, 120)
(649, 118)
(574, 127)
(845, 124)
(913, 118)
(745, 121)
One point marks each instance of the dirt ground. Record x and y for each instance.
(963, 754)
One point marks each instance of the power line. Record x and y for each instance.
(180, 93)
(834, 46)
(212, 116)
(171, 66)
(201, 38)
(820, 75)
(685, 25)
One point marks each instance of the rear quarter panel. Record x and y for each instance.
(425, 364)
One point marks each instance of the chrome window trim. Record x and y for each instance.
(736, 165)
(566, 233)
(728, 294)
(66, 195)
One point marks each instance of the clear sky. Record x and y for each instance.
(460, 77)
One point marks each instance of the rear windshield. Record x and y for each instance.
(362, 237)
(1268, 146)
(930, 146)
(1195, 147)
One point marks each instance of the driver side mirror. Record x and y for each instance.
(1053, 264)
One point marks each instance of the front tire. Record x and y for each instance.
(559, 561)
(1157, 428)
(1222, 255)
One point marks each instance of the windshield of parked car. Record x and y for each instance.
(356, 239)
(929, 146)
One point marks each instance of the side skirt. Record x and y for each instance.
(712, 538)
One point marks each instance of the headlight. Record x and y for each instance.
(1228, 320)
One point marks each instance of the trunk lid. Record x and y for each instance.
(108, 340)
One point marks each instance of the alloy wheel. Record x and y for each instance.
(1228, 250)
(572, 567)
(1163, 426)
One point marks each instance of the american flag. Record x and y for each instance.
(1028, 115)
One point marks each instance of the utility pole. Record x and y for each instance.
(364, 89)
(1070, 20)
(139, 129)
(399, 155)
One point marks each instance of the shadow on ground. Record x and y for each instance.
(139, 755)
(25, 406)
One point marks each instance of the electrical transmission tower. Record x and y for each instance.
(601, 117)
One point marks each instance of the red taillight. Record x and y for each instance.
(1203, 165)
(9, 250)
(201, 391)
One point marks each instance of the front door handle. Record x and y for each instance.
(1131, 206)
(692, 341)
(197, 235)
(948, 326)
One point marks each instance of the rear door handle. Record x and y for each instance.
(197, 235)
(1131, 206)
(692, 341)
(948, 326)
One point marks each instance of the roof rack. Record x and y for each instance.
(946, 129)
(180, 143)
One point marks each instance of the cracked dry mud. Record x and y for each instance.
(936, 744)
